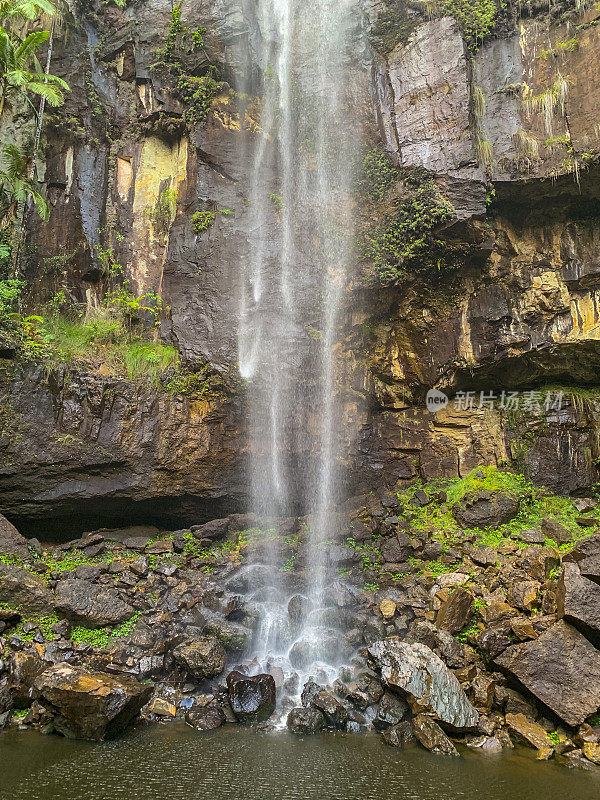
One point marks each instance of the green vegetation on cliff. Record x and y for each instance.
(476, 19)
(406, 241)
(394, 25)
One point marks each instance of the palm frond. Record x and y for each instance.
(25, 51)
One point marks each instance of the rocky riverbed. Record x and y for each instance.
(470, 613)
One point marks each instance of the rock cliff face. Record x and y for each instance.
(507, 134)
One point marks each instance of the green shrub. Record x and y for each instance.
(202, 220)
(393, 25)
(10, 298)
(476, 19)
(197, 94)
(277, 201)
(377, 174)
(406, 240)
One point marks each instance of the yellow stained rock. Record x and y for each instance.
(387, 608)
(591, 751)
(162, 708)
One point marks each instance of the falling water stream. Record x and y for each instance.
(291, 299)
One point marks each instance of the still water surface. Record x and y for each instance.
(176, 763)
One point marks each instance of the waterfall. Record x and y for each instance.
(291, 306)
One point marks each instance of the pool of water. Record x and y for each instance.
(176, 763)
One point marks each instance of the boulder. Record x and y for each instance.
(391, 710)
(335, 712)
(396, 549)
(417, 672)
(456, 611)
(309, 692)
(561, 668)
(399, 735)
(432, 737)
(90, 705)
(387, 608)
(305, 721)
(88, 604)
(298, 608)
(21, 589)
(253, 697)
(205, 717)
(578, 601)
(555, 531)
(162, 708)
(591, 750)
(482, 692)
(526, 732)
(586, 555)
(484, 556)
(233, 637)
(523, 594)
(532, 536)
(215, 529)
(203, 657)
(584, 504)
(137, 543)
(11, 541)
(161, 547)
(441, 642)
(24, 670)
(491, 642)
(485, 509)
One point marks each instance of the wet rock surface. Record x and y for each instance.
(252, 698)
(201, 658)
(90, 705)
(428, 684)
(305, 721)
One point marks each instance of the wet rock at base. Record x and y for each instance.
(432, 737)
(24, 670)
(305, 721)
(309, 692)
(205, 718)
(390, 711)
(561, 668)
(253, 697)
(428, 684)
(22, 590)
(399, 735)
(162, 708)
(335, 712)
(11, 541)
(90, 705)
(527, 732)
(85, 602)
(233, 637)
(215, 529)
(203, 657)
(298, 608)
